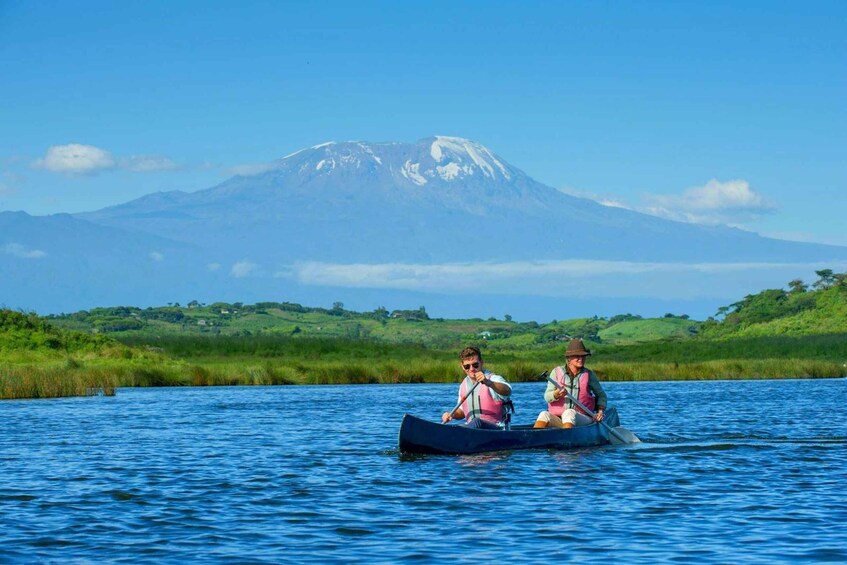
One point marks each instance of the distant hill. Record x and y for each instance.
(381, 325)
(798, 311)
(652, 329)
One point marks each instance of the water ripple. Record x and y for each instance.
(238, 474)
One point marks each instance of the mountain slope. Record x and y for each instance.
(441, 199)
(60, 262)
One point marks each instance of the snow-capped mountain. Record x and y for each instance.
(371, 202)
(440, 201)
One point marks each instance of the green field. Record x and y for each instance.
(799, 333)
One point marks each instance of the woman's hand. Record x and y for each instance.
(599, 415)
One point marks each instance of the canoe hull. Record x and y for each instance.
(422, 436)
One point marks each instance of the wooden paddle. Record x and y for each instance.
(467, 394)
(620, 433)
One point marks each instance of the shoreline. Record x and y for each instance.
(77, 378)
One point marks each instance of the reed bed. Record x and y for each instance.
(728, 369)
(53, 381)
(80, 376)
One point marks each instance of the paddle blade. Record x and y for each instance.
(620, 435)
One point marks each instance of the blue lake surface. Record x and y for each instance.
(728, 472)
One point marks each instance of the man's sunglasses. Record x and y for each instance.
(469, 365)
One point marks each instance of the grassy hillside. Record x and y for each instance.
(776, 312)
(21, 331)
(640, 331)
(397, 327)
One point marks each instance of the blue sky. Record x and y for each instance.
(638, 104)
(730, 112)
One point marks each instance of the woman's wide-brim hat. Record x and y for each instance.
(576, 349)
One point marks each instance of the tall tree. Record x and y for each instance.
(797, 286)
(826, 280)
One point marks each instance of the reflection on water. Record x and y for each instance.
(727, 472)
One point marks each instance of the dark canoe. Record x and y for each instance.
(422, 436)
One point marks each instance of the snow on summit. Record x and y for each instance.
(436, 158)
(456, 149)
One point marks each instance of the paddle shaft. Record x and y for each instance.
(462, 401)
(586, 409)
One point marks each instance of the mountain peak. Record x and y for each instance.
(461, 155)
(434, 159)
(326, 157)
(445, 158)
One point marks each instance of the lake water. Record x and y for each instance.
(728, 472)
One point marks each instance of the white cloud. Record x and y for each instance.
(613, 203)
(75, 158)
(715, 202)
(156, 256)
(567, 278)
(243, 269)
(80, 159)
(6, 190)
(213, 267)
(731, 202)
(147, 164)
(22, 251)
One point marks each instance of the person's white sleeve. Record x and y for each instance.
(496, 395)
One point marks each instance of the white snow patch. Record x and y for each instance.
(478, 154)
(435, 151)
(325, 163)
(367, 149)
(451, 171)
(412, 171)
(313, 147)
(352, 159)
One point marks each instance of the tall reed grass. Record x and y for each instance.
(728, 369)
(326, 363)
(53, 382)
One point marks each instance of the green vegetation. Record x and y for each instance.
(414, 327)
(28, 332)
(37, 360)
(637, 330)
(798, 311)
(799, 332)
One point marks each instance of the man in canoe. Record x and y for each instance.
(483, 396)
(581, 383)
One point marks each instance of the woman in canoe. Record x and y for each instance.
(483, 396)
(581, 383)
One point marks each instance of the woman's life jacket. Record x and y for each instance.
(577, 387)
